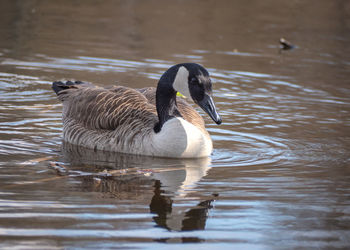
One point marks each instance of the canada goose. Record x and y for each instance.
(145, 121)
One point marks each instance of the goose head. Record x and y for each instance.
(190, 80)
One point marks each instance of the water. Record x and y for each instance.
(279, 176)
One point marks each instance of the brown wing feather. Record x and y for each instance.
(99, 108)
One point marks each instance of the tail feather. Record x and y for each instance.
(59, 86)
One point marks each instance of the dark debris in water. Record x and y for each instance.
(108, 180)
(116, 183)
(59, 168)
(285, 45)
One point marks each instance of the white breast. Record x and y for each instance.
(179, 138)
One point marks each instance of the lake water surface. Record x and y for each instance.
(279, 176)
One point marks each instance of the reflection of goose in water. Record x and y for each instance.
(173, 179)
(177, 218)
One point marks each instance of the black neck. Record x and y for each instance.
(165, 103)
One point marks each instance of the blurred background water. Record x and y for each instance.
(279, 176)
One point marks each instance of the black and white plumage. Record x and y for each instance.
(145, 121)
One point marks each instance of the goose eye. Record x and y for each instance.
(194, 80)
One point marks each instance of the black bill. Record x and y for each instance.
(207, 104)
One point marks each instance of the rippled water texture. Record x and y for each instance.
(279, 176)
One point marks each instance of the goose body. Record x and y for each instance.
(145, 121)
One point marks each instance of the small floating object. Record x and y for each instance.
(286, 45)
(59, 168)
(97, 181)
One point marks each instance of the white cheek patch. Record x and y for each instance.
(202, 78)
(181, 82)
